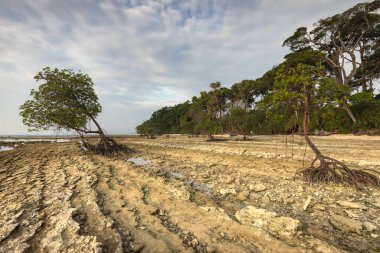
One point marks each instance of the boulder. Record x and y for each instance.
(284, 227)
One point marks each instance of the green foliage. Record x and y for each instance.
(65, 100)
(273, 103)
(237, 121)
(368, 109)
(166, 120)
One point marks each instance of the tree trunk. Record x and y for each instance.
(347, 108)
(363, 61)
(103, 138)
(316, 151)
(337, 68)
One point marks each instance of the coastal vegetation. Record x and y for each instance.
(346, 45)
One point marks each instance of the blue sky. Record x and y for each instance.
(146, 54)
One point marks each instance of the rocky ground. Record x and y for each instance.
(181, 194)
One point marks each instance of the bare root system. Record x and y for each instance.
(331, 170)
(109, 149)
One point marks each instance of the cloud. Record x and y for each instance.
(146, 54)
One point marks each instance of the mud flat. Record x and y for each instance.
(181, 194)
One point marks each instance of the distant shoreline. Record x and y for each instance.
(48, 136)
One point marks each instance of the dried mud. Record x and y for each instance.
(182, 194)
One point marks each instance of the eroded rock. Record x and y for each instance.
(284, 227)
(226, 191)
(219, 212)
(258, 187)
(352, 205)
(370, 227)
(376, 202)
(346, 224)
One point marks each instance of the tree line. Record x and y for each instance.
(311, 89)
(344, 53)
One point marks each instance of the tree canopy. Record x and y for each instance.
(66, 100)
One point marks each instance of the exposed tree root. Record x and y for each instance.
(108, 149)
(331, 170)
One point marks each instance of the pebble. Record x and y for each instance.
(194, 242)
(370, 227)
(319, 207)
(210, 249)
(258, 187)
(353, 205)
(351, 214)
(376, 202)
(289, 200)
(229, 180)
(109, 224)
(136, 247)
(243, 195)
(227, 191)
(265, 200)
(307, 203)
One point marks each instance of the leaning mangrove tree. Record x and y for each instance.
(67, 101)
(306, 87)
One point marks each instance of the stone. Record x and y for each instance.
(136, 247)
(374, 235)
(289, 200)
(346, 224)
(7, 229)
(210, 249)
(307, 203)
(376, 202)
(194, 242)
(265, 200)
(109, 224)
(229, 180)
(319, 206)
(284, 227)
(218, 213)
(351, 214)
(257, 187)
(226, 191)
(370, 227)
(243, 195)
(352, 205)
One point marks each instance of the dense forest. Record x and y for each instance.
(344, 49)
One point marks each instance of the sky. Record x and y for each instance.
(143, 55)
